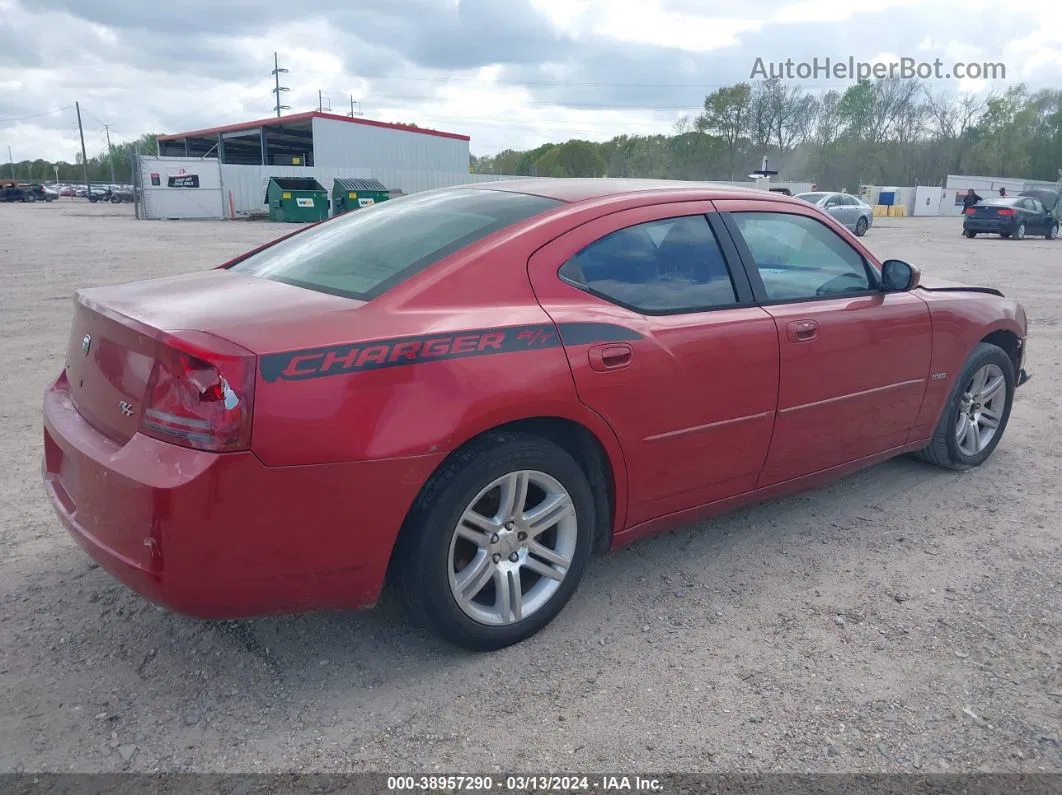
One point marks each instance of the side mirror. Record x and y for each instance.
(898, 276)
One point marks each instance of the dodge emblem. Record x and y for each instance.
(126, 408)
(86, 343)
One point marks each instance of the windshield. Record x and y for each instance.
(366, 252)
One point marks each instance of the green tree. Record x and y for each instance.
(726, 114)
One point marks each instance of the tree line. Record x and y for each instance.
(99, 166)
(883, 132)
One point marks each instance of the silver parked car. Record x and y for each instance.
(854, 213)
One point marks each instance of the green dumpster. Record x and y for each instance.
(350, 194)
(296, 199)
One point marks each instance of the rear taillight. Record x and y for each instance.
(200, 394)
(1005, 212)
(970, 211)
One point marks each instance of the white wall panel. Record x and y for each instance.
(341, 144)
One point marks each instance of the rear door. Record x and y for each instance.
(666, 343)
(854, 360)
(1038, 216)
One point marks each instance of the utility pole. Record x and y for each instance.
(110, 152)
(84, 156)
(11, 160)
(276, 74)
(352, 103)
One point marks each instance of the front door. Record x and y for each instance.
(1037, 218)
(687, 376)
(854, 359)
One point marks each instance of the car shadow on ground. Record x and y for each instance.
(115, 629)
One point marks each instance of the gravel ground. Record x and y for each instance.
(902, 619)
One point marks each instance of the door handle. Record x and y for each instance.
(610, 357)
(803, 330)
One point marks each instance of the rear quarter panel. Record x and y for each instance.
(459, 349)
(960, 321)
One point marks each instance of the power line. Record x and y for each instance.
(547, 103)
(98, 120)
(488, 82)
(36, 115)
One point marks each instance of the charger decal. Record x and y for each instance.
(402, 351)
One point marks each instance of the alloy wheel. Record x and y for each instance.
(512, 548)
(981, 407)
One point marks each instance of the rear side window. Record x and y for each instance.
(668, 266)
(365, 253)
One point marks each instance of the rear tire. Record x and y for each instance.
(973, 398)
(1052, 233)
(969, 234)
(1019, 233)
(462, 555)
(861, 227)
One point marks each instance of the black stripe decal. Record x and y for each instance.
(356, 357)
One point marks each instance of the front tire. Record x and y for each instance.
(977, 411)
(861, 227)
(497, 542)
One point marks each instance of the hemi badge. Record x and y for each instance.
(939, 376)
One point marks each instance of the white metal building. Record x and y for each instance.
(324, 140)
(232, 164)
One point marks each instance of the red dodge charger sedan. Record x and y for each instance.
(467, 392)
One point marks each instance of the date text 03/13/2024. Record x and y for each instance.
(524, 783)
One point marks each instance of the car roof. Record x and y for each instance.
(584, 189)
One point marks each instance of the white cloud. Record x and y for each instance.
(512, 74)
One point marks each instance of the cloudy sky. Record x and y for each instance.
(509, 73)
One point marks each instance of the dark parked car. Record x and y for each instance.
(21, 192)
(1013, 216)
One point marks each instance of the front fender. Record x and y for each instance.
(960, 321)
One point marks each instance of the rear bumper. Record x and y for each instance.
(222, 535)
(990, 227)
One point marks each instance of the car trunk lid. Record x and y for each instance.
(991, 211)
(119, 332)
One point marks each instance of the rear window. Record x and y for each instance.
(367, 252)
(814, 198)
(1000, 202)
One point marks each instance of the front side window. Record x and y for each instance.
(799, 258)
(361, 255)
(660, 267)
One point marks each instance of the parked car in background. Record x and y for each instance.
(1011, 217)
(11, 191)
(469, 391)
(850, 211)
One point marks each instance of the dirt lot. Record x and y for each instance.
(902, 619)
